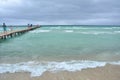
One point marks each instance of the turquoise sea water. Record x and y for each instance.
(67, 46)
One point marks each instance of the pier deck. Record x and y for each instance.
(10, 34)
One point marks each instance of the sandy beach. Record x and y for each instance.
(109, 72)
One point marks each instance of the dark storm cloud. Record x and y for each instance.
(60, 11)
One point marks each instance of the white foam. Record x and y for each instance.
(116, 27)
(91, 28)
(69, 31)
(100, 32)
(116, 32)
(55, 27)
(78, 28)
(115, 63)
(107, 28)
(38, 68)
(39, 31)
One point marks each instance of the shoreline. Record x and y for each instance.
(108, 72)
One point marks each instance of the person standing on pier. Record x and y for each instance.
(28, 25)
(4, 28)
(31, 25)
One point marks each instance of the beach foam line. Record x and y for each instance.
(38, 68)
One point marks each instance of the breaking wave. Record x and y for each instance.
(85, 28)
(69, 31)
(100, 32)
(80, 32)
(39, 31)
(38, 68)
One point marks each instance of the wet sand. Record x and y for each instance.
(109, 72)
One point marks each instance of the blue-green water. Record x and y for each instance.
(63, 43)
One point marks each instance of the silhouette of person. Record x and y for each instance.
(4, 28)
(31, 25)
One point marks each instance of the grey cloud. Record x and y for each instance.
(63, 12)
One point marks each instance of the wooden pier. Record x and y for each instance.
(10, 34)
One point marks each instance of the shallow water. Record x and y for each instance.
(63, 44)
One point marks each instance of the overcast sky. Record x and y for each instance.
(78, 12)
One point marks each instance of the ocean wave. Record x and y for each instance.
(38, 68)
(100, 32)
(77, 31)
(89, 28)
(116, 27)
(93, 32)
(69, 31)
(39, 31)
(59, 27)
(116, 31)
(84, 28)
